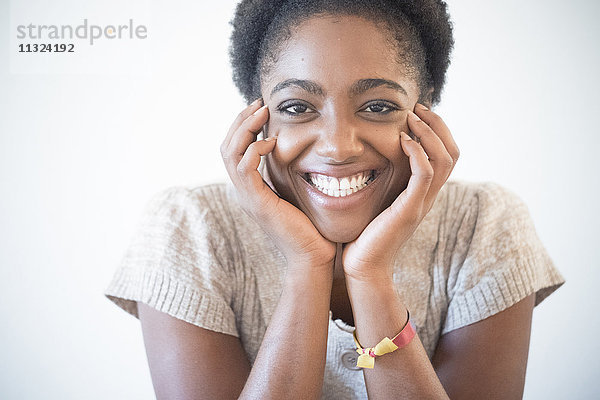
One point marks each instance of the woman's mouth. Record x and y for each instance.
(340, 187)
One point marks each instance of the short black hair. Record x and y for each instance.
(422, 29)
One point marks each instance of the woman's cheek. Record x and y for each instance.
(386, 141)
(291, 142)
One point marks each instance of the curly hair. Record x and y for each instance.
(421, 28)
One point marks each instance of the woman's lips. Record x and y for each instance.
(323, 192)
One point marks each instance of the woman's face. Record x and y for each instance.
(338, 99)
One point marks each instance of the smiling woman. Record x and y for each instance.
(347, 124)
(317, 254)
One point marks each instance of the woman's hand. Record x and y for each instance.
(371, 255)
(289, 228)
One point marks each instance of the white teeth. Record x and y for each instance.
(341, 187)
(334, 184)
(322, 181)
(344, 184)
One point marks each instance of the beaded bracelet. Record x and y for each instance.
(387, 345)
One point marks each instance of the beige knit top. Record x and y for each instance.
(198, 257)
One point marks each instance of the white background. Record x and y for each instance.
(82, 153)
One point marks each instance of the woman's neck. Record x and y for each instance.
(340, 304)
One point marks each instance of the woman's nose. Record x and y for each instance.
(339, 141)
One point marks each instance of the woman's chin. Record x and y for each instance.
(343, 227)
(346, 235)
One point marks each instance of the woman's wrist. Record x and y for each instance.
(376, 286)
(309, 271)
(369, 275)
(378, 309)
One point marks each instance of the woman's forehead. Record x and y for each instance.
(339, 51)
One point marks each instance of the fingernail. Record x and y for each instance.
(260, 109)
(405, 136)
(255, 102)
(414, 116)
(422, 107)
(270, 138)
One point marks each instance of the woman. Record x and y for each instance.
(254, 290)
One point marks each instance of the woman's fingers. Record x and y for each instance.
(242, 155)
(255, 187)
(241, 140)
(399, 221)
(247, 131)
(439, 127)
(245, 113)
(439, 155)
(411, 200)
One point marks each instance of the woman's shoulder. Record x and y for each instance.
(463, 208)
(211, 207)
(496, 257)
(458, 197)
(463, 189)
(214, 197)
(191, 194)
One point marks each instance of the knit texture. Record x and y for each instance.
(198, 257)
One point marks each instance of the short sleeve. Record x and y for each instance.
(503, 259)
(175, 263)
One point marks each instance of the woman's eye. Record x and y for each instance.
(380, 108)
(295, 109)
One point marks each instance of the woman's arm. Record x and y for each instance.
(183, 361)
(485, 360)
(405, 373)
(189, 362)
(291, 360)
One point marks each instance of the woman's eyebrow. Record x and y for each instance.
(362, 85)
(311, 87)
